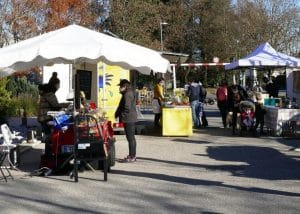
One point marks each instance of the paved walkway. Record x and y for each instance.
(209, 172)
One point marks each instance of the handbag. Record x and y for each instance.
(156, 106)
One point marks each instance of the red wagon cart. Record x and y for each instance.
(80, 140)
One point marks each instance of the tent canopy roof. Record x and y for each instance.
(75, 44)
(265, 56)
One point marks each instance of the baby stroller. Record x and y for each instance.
(247, 120)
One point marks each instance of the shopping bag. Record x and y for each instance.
(156, 107)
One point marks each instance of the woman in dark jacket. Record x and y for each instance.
(126, 112)
(47, 102)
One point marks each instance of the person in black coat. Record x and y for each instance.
(236, 94)
(54, 82)
(126, 112)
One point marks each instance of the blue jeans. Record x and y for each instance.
(195, 115)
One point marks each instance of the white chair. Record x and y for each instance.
(9, 146)
(3, 156)
(8, 137)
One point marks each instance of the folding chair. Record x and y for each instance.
(10, 145)
(3, 156)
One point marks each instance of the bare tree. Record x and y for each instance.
(273, 21)
(61, 13)
(22, 19)
(4, 40)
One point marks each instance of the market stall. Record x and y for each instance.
(279, 116)
(278, 120)
(83, 49)
(264, 57)
(177, 115)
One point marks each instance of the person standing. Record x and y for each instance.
(194, 97)
(126, 112)
(236, 94)
(47, 102)
(202, 97)
(158, 97)
(54, 81)
(272, 88)
(222, 97)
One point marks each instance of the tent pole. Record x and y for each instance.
(286, 92)
(104, 84)
(174, 77)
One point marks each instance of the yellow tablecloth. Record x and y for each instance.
(177, 121)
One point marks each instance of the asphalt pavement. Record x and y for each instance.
(209, 172)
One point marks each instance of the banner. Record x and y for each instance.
(109, 95)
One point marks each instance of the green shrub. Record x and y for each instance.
(12, 100)
(27, 102)
(5, 100)
(24, 97)
(20, 85)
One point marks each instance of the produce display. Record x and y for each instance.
(177, 99)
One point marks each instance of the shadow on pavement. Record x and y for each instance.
(227, 167)
(291, 142)
(192, 181)
(186, 140)
(75, 207)
(213, 131)
(262, 162)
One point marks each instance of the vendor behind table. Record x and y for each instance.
(47, 102)
(158, 98)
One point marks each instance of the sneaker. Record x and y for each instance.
(129, 159)
(133, 159)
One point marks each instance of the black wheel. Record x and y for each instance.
(211, 102)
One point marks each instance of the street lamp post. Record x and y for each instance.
(161, 35)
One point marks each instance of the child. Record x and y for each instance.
(259, 113)
(247, 117)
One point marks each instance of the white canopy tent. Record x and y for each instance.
(74, 45)
(264, 56)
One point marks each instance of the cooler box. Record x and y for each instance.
(276, 102)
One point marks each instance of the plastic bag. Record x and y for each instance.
(156, 106)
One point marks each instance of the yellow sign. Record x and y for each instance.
(109, 95)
